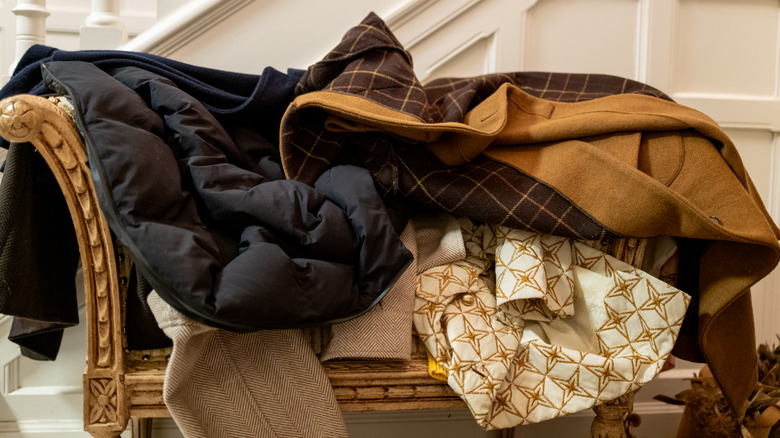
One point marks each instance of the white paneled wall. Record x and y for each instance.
(592, 41)
(710, 59)
(719, 56)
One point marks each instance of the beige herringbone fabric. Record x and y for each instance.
(439, 241)
(385, 331)
(260, 384)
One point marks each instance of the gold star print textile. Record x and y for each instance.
(530, 327)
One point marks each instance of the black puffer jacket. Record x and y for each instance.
(201, 206)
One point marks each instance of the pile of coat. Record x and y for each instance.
(277, 201)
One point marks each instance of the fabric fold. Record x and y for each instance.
(385, 331)
(262, 384)
(513, 368)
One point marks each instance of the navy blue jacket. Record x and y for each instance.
(193, 174)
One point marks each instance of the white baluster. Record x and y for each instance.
(30, 26)
(103, 28)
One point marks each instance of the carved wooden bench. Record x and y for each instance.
(121, 385)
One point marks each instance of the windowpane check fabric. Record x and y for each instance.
(371, 64)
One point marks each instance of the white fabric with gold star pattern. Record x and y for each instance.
(552, 327)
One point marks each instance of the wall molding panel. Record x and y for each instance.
(406, 11)
(483, 47)
(182, 27)
(736, 111)
(427, 19)
(655, 46)
(439, 36)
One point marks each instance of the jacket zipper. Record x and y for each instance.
(107, 204)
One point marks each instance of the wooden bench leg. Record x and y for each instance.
(610, 421)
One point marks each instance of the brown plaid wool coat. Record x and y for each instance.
(581, 156)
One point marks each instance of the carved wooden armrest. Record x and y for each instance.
(51, 130)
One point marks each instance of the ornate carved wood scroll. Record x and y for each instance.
(48, 126)
(380, 386)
